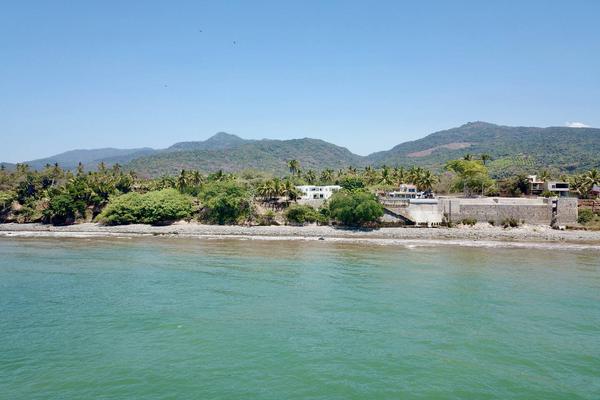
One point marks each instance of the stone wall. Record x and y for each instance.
(535, 211)
(566, 211)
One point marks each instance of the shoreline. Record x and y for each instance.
(480, 235)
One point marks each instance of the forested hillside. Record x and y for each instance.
(507, 151)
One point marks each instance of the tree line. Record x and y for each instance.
(113, 195)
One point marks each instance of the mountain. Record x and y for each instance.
(265, 155)
(91, 158)
(219, 141)
(511, 148)
(7, 166)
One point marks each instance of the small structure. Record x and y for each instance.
(311, 192)
(536, 186)
(595, 191)
(406, 204)
(405, 191)
(559, 189)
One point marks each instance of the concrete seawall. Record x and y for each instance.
(535, 211)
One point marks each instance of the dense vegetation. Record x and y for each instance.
(355, 208)
(158, 207)
(513, 150)
(114, 196)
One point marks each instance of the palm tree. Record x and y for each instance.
(116, 169)
(22, 168)
(265, 190)
(80, 169)
(468, 157)
(327, 175)
(593, 177)
(386, 176)
(413, 174)
(196, 178)
(310, 176)
(426, 180)
(290, 191)
(102, 167)
(182, 181)
(398, 175)
(485, 158)
(544, 175)
(294, 166)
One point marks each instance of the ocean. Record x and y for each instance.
(183, 318)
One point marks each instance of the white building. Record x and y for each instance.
(560, 189)
(311, 192)
(405, 191)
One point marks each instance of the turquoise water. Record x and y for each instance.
(180, 318)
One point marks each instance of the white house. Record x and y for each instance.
(311, 192)
(560, 189)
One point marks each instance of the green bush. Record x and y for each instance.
(585, 215)
(355, 208)
(157, 207)
(510, 222)
(468, 221)
(225, 202)
(548, 194)
(6, 199)
(267, 218)
(63, 209)
(300, 214)
(352, 183)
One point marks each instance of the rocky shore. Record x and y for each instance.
(474, 234)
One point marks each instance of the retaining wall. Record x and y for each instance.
(536, 211)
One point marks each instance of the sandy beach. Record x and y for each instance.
(479, 234)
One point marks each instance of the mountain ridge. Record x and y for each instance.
(561, 148)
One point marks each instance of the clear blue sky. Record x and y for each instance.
(363, 74)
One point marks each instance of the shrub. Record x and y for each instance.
(157, 207)
(6, 199)
(352, 183)
(225, 202)
(547, 194)
(510, 222)
(585, 215)
(300, 214)
(63, 209)
(355, 208)
(468, 221)
(267, 218)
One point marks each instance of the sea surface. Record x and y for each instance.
(161, 318)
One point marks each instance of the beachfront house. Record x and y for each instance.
(312, 192)
(404, 191)
(557, 188)
(536, 186)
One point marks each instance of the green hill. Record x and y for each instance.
(265, 155)
(512, 149)
(525, 148)
(91, 158)
(219, 141)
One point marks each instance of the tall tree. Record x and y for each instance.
(294, 166)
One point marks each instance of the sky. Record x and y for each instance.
(366, 75)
